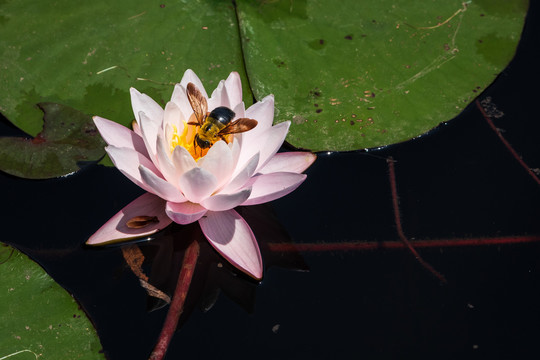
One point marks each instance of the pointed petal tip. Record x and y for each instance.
(310, 158)
(269, 97)
(258, 275)
(184, 213)
(117, 229)
(98, 243)
(232, 237)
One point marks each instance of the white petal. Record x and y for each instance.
(142, 102)
(218, 161)
(150, 129)
(233, 84)
(274, 138)
(197, 184)
(244, 174)
(219, 97)
(184, 213)
(272, 186)
(173, 116)
(240, 110)
(160, 187)
(222, 202)
(182, 160)
(263, 112)
(164, 160)
(190, 76)
(136, 128)
(127, 161)
(268, 143)
(119, 136)
(179, 97)
(295, 162)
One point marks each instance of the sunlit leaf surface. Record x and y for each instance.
(363, 74)
(40, 320)
(88, 54)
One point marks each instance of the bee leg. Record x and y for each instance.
(195, 146)
(224, 138)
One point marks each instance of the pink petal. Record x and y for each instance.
(222, 202)
(263, 112)
(159, 186)
(165, 163)
(115, 230)
(235, 150)
(274, 139)
(173, 116)
(267, 143)
(244, 174)
(150, 128)
(295, 162)
(197, 184)
(144, 103)
(269, 187)
(136, 128)
(119, 136)
(219, 97)
(182, 160)
(184, 213)
(218, 161)
(127, 161)
(179, 97)
(233, 84)
(190, 76)
(232, 237)
(240, 110)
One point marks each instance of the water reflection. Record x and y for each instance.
(158, 259)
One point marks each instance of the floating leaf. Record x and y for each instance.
(39, 318)
(88, 54)
(361, 74)
(68, 138)
(369, 73)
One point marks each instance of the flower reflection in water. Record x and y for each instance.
(196, 274)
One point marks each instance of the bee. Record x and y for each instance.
(215, 125)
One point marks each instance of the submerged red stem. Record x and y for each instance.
(506, 143)
(177, 305)
(372, 245)
(397, 219)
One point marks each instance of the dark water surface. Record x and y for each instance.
(459, 189)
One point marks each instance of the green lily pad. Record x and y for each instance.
(68, 137)
(87, 55)
(40, 320)
(362, 74)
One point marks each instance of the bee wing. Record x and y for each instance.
(198, 103)
(238, 126)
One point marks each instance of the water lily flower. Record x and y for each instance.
(186, 183)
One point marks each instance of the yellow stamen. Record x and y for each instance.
(186, 140)
(175, 139)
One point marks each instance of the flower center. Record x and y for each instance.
(186, 140)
